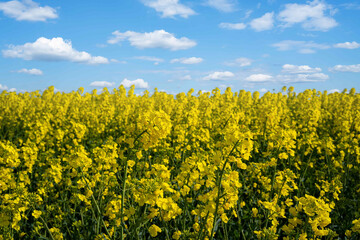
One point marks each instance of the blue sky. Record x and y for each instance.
(175, 45)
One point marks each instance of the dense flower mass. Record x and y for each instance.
(231, 165)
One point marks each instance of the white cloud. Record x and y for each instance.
(314, 77)
(347, 45)
(118, 61)
(156, 39)
(346, 68)
(333, 91)
(351, 6)
(32, 71)
(248, 13)
(222, 5)
(169, 8)
(266, 22)
(233, 26)
(219, 76)
(186, 77)
(263, 90)
(102, 84)
(139, 83)
(55, 49)
(191, 60)
(306, 51)
(27, 10)
(151, 59)
(223, 87)
(259, 78)
(320, 24)
(304, 47)
(113, 60)
(312, 16)
(289, 68)
(241, 62)
(5, 88)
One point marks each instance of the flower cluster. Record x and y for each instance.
(231, 165)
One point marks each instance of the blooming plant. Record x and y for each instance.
(231, 165)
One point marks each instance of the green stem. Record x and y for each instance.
(122, 202)
(47, 228)
(166, 227)
(97, 206)
(202, 225)
(219, 189)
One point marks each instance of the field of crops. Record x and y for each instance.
(231, 165)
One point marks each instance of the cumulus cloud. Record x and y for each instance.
(190, 60)
(241, 62)
(55, 49)
(313, 16)
(102, 84)
(169, 8)
(222, 5)
(266, 22)
(347, 45)
(346, 68)
(139, 83)
(289, 68)
(304, 47)
(301, 73)
(32, 71)
(314, 77)
(27, 10)
(233, 26)
(219, 76)
(5, 88)
(259, 78)
(155, 39)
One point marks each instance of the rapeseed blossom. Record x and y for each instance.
(211, 165)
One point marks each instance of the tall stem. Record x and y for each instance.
(219, 189)
(122, 201)
(47, 228)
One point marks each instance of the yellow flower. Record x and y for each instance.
(139, 155)
(254, 211)
(153, 230)
(36, 214)
(348, 233)
(224, 218)
(130, 163)
(196, 227)
(176, 235)
(303, 236)
(289, 202)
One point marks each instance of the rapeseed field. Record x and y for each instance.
(231, 165)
